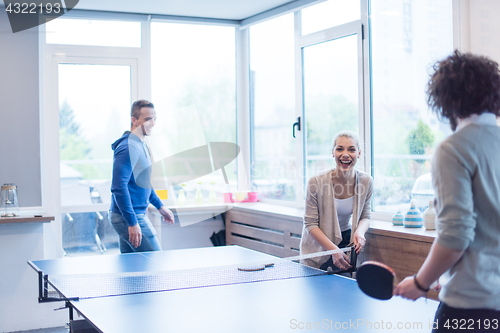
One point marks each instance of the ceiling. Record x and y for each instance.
(219, 9)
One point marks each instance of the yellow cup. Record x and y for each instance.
(240, 196)
(162, 194)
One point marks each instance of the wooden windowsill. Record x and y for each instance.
(26, 219)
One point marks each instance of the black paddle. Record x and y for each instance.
(375, 279)
(378, 280)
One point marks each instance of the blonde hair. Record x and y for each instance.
(346, 134)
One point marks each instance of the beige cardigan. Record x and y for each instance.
(320, 212)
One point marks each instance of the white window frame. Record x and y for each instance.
(359, 27)
(53, 55)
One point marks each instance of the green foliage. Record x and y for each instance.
(420, 138)
(325, 117)
(67, 120)
(72, 145)
(217, 112)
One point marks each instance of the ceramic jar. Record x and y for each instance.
(430, 217)
(398, 218)
(413, 218)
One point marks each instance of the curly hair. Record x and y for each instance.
(464, 84)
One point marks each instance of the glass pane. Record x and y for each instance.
(194, 90)
(94, 103)
(329, 14)
(407, 38)
(88, 233)
(272, 104)
(94, 32)
(330, 98)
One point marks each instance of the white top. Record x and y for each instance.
(344, 212)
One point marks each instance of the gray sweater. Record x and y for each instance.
(466, 178)
(320, 212)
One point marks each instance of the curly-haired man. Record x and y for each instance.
(465, 89)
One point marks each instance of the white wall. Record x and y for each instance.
(19, 307)
(485, 27)
(20, 164)
(19, 110)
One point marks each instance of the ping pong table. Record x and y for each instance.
(310, 301)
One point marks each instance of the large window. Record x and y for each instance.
(328, 14)
(272, 108)
(407, 38)
(94, 32)
(340, 85)
(331, 88)
(193, 87)
(313, 64)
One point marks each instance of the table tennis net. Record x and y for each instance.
(84, 286)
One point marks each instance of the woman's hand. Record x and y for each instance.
(359, 241)
(341, 260)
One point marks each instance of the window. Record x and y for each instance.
(331, 75)
(407, 38)
(272, 108)
(94, 103)
(94, 32)
(337, 89)
(329, 14)
(193, 70)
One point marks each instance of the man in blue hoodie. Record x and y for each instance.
(131, 184)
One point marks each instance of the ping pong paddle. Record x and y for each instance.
(255, 267)
(376, 280)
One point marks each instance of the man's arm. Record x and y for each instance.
(167, 215)
(122, 172)
(455, 220)
(439, 260)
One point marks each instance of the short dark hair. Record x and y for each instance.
(464, 84)
(138, 105)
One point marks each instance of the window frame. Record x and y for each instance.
(53, 54)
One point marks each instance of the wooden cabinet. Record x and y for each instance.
(272, 234)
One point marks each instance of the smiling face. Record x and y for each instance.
(346, 153)
(145, 123)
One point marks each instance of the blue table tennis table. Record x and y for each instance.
(286, 304)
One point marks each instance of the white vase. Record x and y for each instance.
(181, 200)
(430, 217)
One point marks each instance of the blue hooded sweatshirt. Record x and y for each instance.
(131, 186)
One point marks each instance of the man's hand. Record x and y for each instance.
(135, 235)
(167, 215)
(408, 289)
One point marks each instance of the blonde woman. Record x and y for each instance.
(337, 212)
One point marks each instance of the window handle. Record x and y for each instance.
(297, 123)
